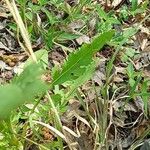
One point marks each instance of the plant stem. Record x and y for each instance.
(31, 141)
(57, 120)
(85, 108)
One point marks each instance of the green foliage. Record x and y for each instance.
(129, 54)
(134, 5)
(11, 96)
(82, 79)
(134, 80)
(123, 37)
(145, 94)
(22, 89)
(76, 63)
(30, 81)
(107, 20)
(131, 74)
(42, 57)
(137, 9)
(51, 18)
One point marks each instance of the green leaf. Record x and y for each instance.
(130, 52)
(102, 13)
(49, 36)
(145, 95)
(41, 55)
(133, 88)
(76, 63)
(131, 82)
(130, 70)
(22, 89)
(30, 81)
(52, 19)
(129, 32)
(113, 20)
(125, 36)
(67, 36)
(82, 79)
(11, 97)
(134, 5)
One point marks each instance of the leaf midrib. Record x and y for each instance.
(100, 46)
(68, 69)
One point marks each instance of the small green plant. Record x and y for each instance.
(138, 87)
(73, 68)
(107, 20)
(28, 85)
(135, 9)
